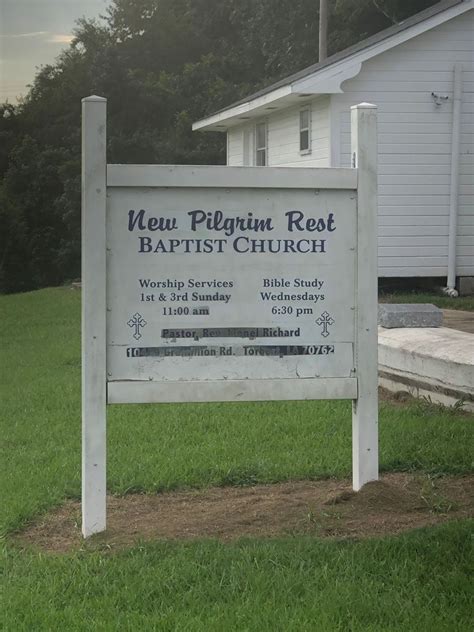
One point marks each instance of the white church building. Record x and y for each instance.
(420, 74)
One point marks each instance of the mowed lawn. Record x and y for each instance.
(418, 581)
(465, 303)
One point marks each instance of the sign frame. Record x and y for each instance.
(98, 390)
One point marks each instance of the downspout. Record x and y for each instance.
(454, 188)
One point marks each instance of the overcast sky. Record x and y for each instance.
(32, 33)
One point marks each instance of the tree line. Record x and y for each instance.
(161, 64)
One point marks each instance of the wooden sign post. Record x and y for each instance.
(227, 284)
(94, 308)
(365, 457)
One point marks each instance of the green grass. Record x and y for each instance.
(418, 581)
(444, 302)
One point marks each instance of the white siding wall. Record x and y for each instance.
(415, 148)
(235, 156)
(284, 138)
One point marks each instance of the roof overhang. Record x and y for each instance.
(323, 81)
(327, 81)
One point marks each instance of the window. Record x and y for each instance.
(305, 131)
(261, 144)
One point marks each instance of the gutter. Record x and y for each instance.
(454, 184)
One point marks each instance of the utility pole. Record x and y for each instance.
(323, 30)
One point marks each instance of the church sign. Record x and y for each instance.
(226, 284)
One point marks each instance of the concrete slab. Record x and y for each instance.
(437, 363)
(395, 315)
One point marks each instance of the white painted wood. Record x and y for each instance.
(465, 246)
(413, 240)
(415, 224)
(172, 176)
(407, 251)
(418, 262)
(454, 184)
(428, 213)
(283, 138)
(415, 175)
(246, 160)
(93, 315)
(242, 111)
(414, 138)
(416, 200)
(423, 271)
(328, 80)
(388, 234)
(414, 190)
(235, 142)
(238, 366)
(387, 161)
(323, 348)
(238, 289)
(334, 124)
(134, 392)
(365, 407)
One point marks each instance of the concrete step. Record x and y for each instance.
(436, 363)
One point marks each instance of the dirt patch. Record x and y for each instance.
(459, 319)
(329, 508)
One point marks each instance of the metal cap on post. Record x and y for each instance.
(94, 184)
(365, 466)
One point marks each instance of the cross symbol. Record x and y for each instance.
(324, 320)
(137, 322)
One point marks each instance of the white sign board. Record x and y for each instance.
(219, 283)
(229, 284)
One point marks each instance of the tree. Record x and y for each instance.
(161, 64)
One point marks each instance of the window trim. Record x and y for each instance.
(257, 148)
(304, 152)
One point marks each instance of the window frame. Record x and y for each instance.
(306, 108)
(263, 148)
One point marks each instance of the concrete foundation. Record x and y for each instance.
(466, 286)
(434, 363)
